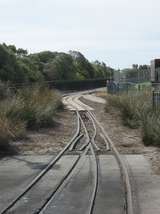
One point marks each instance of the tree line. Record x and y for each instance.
(18, 66)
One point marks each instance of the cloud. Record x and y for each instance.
(120, 31)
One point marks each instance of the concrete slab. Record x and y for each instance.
(146, 185)
(16, 172)
(42, 190)
(76, 194)
(110, 197)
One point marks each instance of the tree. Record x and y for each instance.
(46, 56)
(17, 66)
(101, 70)
(21, 52)
(60, 68)
(7, 63)
(135, 66)
(12, 48)
(84, 67)
(141, 67)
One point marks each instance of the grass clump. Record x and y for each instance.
(136, 109)
(38, 106)
(11, 128)
(151, 129)
(133, 106)
(28, 108)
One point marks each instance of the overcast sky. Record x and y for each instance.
(118, 32)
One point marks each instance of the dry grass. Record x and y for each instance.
(10, 128)
(38, 106)
(29, 108)
(100, 93)
(136, 109)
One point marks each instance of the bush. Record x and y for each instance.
(30, 108)
(10, 128)
(136, 109)
(133, 106)
(4, 91)
(151, 129)
(37, 106)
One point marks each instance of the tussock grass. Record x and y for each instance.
(136, 109)
(11, 128)
(38, 106)
(29, 108)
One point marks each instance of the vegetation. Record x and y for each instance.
(17, 66)
(136, 109)
(34, 107)
(28, 108)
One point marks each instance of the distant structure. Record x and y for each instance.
(117, 76)
(155, 79)
(155, 70)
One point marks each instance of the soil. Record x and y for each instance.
(50, 140)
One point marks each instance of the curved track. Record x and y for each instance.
(18, 204)
(83, 142)
(128, 208)
(88, 149)
(45, 170)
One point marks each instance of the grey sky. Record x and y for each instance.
(119, 32)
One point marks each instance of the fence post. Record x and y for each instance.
(153, 99)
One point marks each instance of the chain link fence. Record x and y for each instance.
(127, 87)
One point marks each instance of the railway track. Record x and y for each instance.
(19, 205)
(84, 144)
(128, 206)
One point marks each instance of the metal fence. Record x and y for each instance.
(153, 89)
(120, 87)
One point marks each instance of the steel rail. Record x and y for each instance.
(73, 145)
(91, 145)
(44, 171)
(86, 107)
(95, 132)
(51, 197)
(86, 133)
(95, 188)
(93, 196)
(94, 193)
(47, 201)
(106, 142)
(123, 168)
(124, 171)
